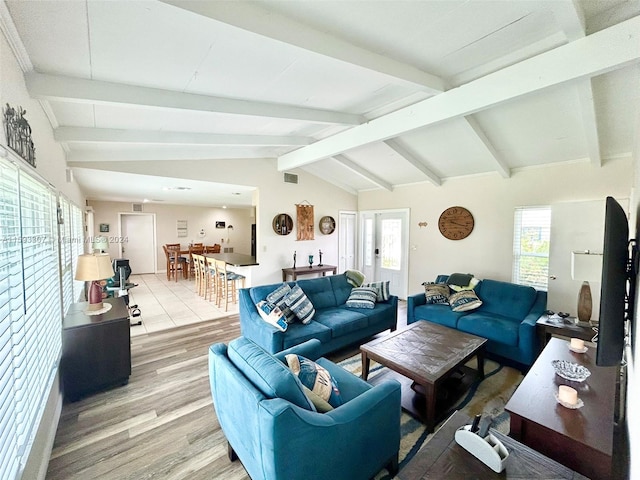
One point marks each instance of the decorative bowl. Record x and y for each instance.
(571, 371)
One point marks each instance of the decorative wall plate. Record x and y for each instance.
(327, 225)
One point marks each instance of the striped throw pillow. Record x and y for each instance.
(277, 298)
(382, 290)
(362, 297)
(298, 302)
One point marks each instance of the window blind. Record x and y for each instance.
(531, 238)
(10, 308)
(30, 310)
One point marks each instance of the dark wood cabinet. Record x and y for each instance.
(96, 349)
(581, 439)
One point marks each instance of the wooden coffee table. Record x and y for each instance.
(428, 354)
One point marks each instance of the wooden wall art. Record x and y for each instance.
(305, 221)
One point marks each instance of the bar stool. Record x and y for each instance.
(226, 284)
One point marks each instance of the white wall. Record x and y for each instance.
(487, 252)
(166, 232)
(273, 196)
(51, 165)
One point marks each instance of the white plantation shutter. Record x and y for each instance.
(531, 236)
(10, 308)
(30, 310)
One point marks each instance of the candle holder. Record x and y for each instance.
(294, 259)
(310, 261)
(568, 397)
(320, 255)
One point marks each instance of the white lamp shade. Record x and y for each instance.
(94, 267)
(586, 266)
(100, 243)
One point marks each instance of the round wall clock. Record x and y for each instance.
(456, 223)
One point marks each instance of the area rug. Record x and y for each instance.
(486, 397)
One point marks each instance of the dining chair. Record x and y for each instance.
(227, 281)
(215, 248)
(197, 249)
(175, 262)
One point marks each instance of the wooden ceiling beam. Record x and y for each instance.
(413, 160)
(278, 27)
(113, 135)
(72, 89)
(602, 52)
(354, 167)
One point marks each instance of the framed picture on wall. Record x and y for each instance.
(104, 228)
(220, 224)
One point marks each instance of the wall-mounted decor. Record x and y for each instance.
(456, 223)
(220, 225)
(282, 224)
(104, 228)
(18, 133)
(304, 215)
(182, 228)
(327, 225)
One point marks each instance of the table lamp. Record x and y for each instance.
(585, 266)
(93, 268)
(100, 244)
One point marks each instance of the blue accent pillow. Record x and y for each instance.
(298, 302)
(267, 373)
(316, 378)
(362, 297)
(277, 298)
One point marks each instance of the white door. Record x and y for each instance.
(384, 243)
(138, 242)
(347, 245)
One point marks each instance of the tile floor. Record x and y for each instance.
(169, 304)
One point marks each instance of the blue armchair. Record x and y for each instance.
(278, 435)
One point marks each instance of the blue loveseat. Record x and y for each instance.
(334, 324)
(263, 413)
(507, 317)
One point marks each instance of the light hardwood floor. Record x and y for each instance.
(162, 424)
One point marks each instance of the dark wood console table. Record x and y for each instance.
(96, 349)
(442, 457)
(298, 271)
(581, 439)
(549, 326)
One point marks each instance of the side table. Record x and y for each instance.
(442, 454)
(547, 326)
(298, 271)
(96, 349)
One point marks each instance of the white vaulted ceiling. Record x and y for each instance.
(365, 94)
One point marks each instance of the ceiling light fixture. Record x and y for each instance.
(168, 189)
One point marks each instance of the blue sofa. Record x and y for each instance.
(257, 400)
(507, 317)
(334, 324)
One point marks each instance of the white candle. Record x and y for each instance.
(567, 395)
(577, 344)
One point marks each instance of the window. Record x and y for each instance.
(532, 227)
(30, 310)
(391, 250)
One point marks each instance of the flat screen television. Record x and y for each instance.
(615, 302)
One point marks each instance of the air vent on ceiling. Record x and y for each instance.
(290, 178)
(136, 207)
